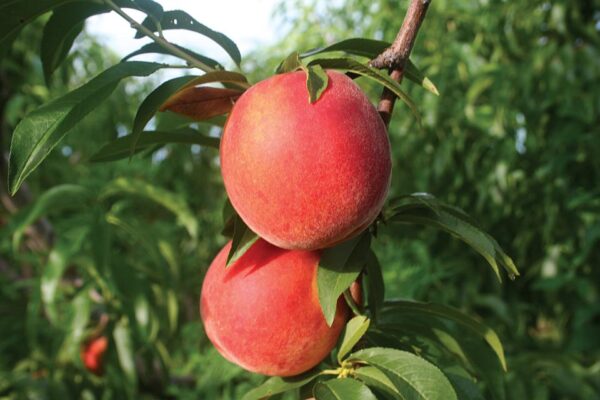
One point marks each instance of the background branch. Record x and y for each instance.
(395, 57)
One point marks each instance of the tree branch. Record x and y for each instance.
(395, 57)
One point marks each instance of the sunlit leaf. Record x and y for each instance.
(342, 389)
(352, 333)
(277, 385)
(413, 376)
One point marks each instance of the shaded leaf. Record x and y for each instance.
(342, 389)
(427, 210)
(201, 103)
(121, 147)
(275, 385)
(177, 19)
(316, 82)
(405, 308)
(158, 49)
(54, 199)
(339, 267)
(353, 331)
(171, 201)
(41, 130)
(413, 376)
(16, 14)
(375, 285)
(466, 389)
(349, 64)
(243, 239)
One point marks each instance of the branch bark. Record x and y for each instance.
(394, 58)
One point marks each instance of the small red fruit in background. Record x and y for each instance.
(92, 354)
(263, 313)
(301, 175)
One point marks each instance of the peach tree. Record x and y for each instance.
(383, 348)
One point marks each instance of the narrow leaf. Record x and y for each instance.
(343, 389)
(40, 131)
(413, 376)
(349, 64)
(15, 14)
(290, 64)
(353, 331)
(121, 148)
(433, 212)
(243, 239)
(276, 385)
(54, 199)
(316, 82)
(156, 48)
(370, 48)
(171, 201)
(375, 285)
(405, 309)
(125, 350)
(374, 377)
(178, 19)
(338, 269)
(202, 103)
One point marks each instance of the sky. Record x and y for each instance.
(247, 23)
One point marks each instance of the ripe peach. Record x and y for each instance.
(263, 313)
(92, 354)
(305, 176)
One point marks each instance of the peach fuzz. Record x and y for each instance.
(305, 176)
(263, 313)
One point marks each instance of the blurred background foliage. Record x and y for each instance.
(121, 248)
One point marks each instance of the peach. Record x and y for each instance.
(92, 354)
(305, 176)
(263, 314)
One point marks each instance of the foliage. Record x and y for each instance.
(510, 139)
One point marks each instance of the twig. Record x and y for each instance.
(159, 39)
(395, 57)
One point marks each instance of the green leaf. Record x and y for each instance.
(54, 199)
(178, 19)
(465, 387)
(125, 350)
(78, 316)
(374, 377)
(229, 216)
(152, 8)
(316, 82)
(338, 269)
(121, 147)
(349, 64)
(427, 210)
(353, 331)
(290, 64)
(243, 239)
(152, 103)
(40, 131)
(15, 14)
(58, 261)
(277, 385)
(375, 285)
(413, 376)
(342, 389)
(158, 49)
(171, 201)
(372, 48)
(65, 24)
(405, 308)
